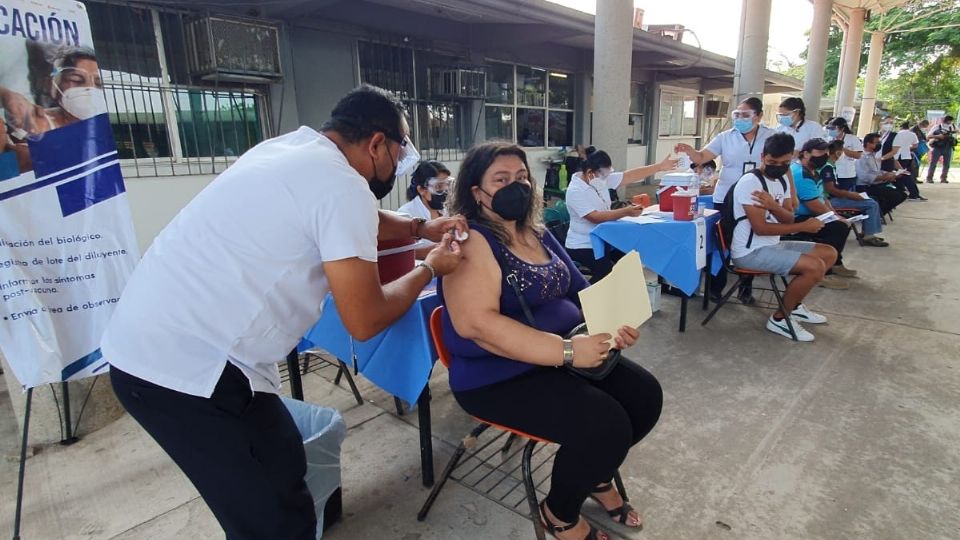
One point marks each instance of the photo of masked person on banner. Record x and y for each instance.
(66, 87)
(67, 243)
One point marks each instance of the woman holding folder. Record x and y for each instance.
(508, 306)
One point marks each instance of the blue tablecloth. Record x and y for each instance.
(398, 360)
(668, 248)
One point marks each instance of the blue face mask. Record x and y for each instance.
(832, 133)
(743, 125)
(786, 121)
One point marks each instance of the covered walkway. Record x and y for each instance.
(852, 436)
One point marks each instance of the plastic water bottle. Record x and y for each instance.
(563, 177)
(684, 162)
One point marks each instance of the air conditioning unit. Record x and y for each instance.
(716, 109)
(226, 49)
(458, 83)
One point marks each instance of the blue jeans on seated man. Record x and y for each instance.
(869, 207)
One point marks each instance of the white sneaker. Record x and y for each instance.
(802, 314)
(781, 328)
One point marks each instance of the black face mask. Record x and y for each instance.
(437, 201)
(380, 187)
(512, 202)
(775, 171)
(818, 161)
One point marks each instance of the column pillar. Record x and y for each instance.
(853, 41)
(751, 64)
(869, 104)
(612, 59)
(817, 57)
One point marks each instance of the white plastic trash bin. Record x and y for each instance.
(323, 431)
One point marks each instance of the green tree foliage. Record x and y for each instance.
(920, 69)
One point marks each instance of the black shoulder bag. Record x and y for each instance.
(597, 373)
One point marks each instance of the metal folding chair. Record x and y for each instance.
(744, 274)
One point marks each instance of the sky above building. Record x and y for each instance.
(717, 24)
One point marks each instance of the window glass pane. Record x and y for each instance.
(690, 123)
(217, 124)
(123, 39)
(666, 113)
(388, 67)
(531, 86)
(500, 83)
(560, 132)
(440, 126)
(499, 122)
(561, 91)
(530, 127)
(139, 125)
(636, 122)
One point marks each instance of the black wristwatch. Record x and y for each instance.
(417, 222)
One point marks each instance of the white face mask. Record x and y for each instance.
(83, 102)
(886, 127)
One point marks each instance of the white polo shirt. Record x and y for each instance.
(905, 139)
(736, 153)
(238, 275)
(846, 165)
(583, 198)
(807, 130)
(743, 196)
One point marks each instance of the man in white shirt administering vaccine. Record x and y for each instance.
(229, 286)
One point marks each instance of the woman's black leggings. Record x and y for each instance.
(594, 422)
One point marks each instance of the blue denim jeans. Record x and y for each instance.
(871, 226)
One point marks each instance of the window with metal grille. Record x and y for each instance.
(437, 123)
(531, 106)
(164, 121)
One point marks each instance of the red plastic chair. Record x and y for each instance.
(436, 334)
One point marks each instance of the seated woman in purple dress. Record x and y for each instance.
(505, 371)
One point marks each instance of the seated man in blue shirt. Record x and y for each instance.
(813, 203)
(850, 199)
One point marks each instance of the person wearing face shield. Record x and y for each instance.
(504, 367)
(427, 196)
(588, 201)
(76, 88)
(739, 149)
(231, 284)
(792, 119)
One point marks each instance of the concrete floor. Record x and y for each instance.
(854, 436)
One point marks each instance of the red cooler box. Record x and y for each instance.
(395, 258)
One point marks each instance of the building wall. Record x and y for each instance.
(324, 69)
(155, 201)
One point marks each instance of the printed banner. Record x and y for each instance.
(67, 244)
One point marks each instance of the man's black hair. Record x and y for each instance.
(365, 110)
(779, 144)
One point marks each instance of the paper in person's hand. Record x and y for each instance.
(620, 299)
(828, 217)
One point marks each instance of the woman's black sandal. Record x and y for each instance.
(619, 515)
(553, 529)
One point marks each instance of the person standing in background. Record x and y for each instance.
(942, 140)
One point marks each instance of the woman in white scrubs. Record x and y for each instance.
(588, 201)
(792, 119)
(739, 149)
